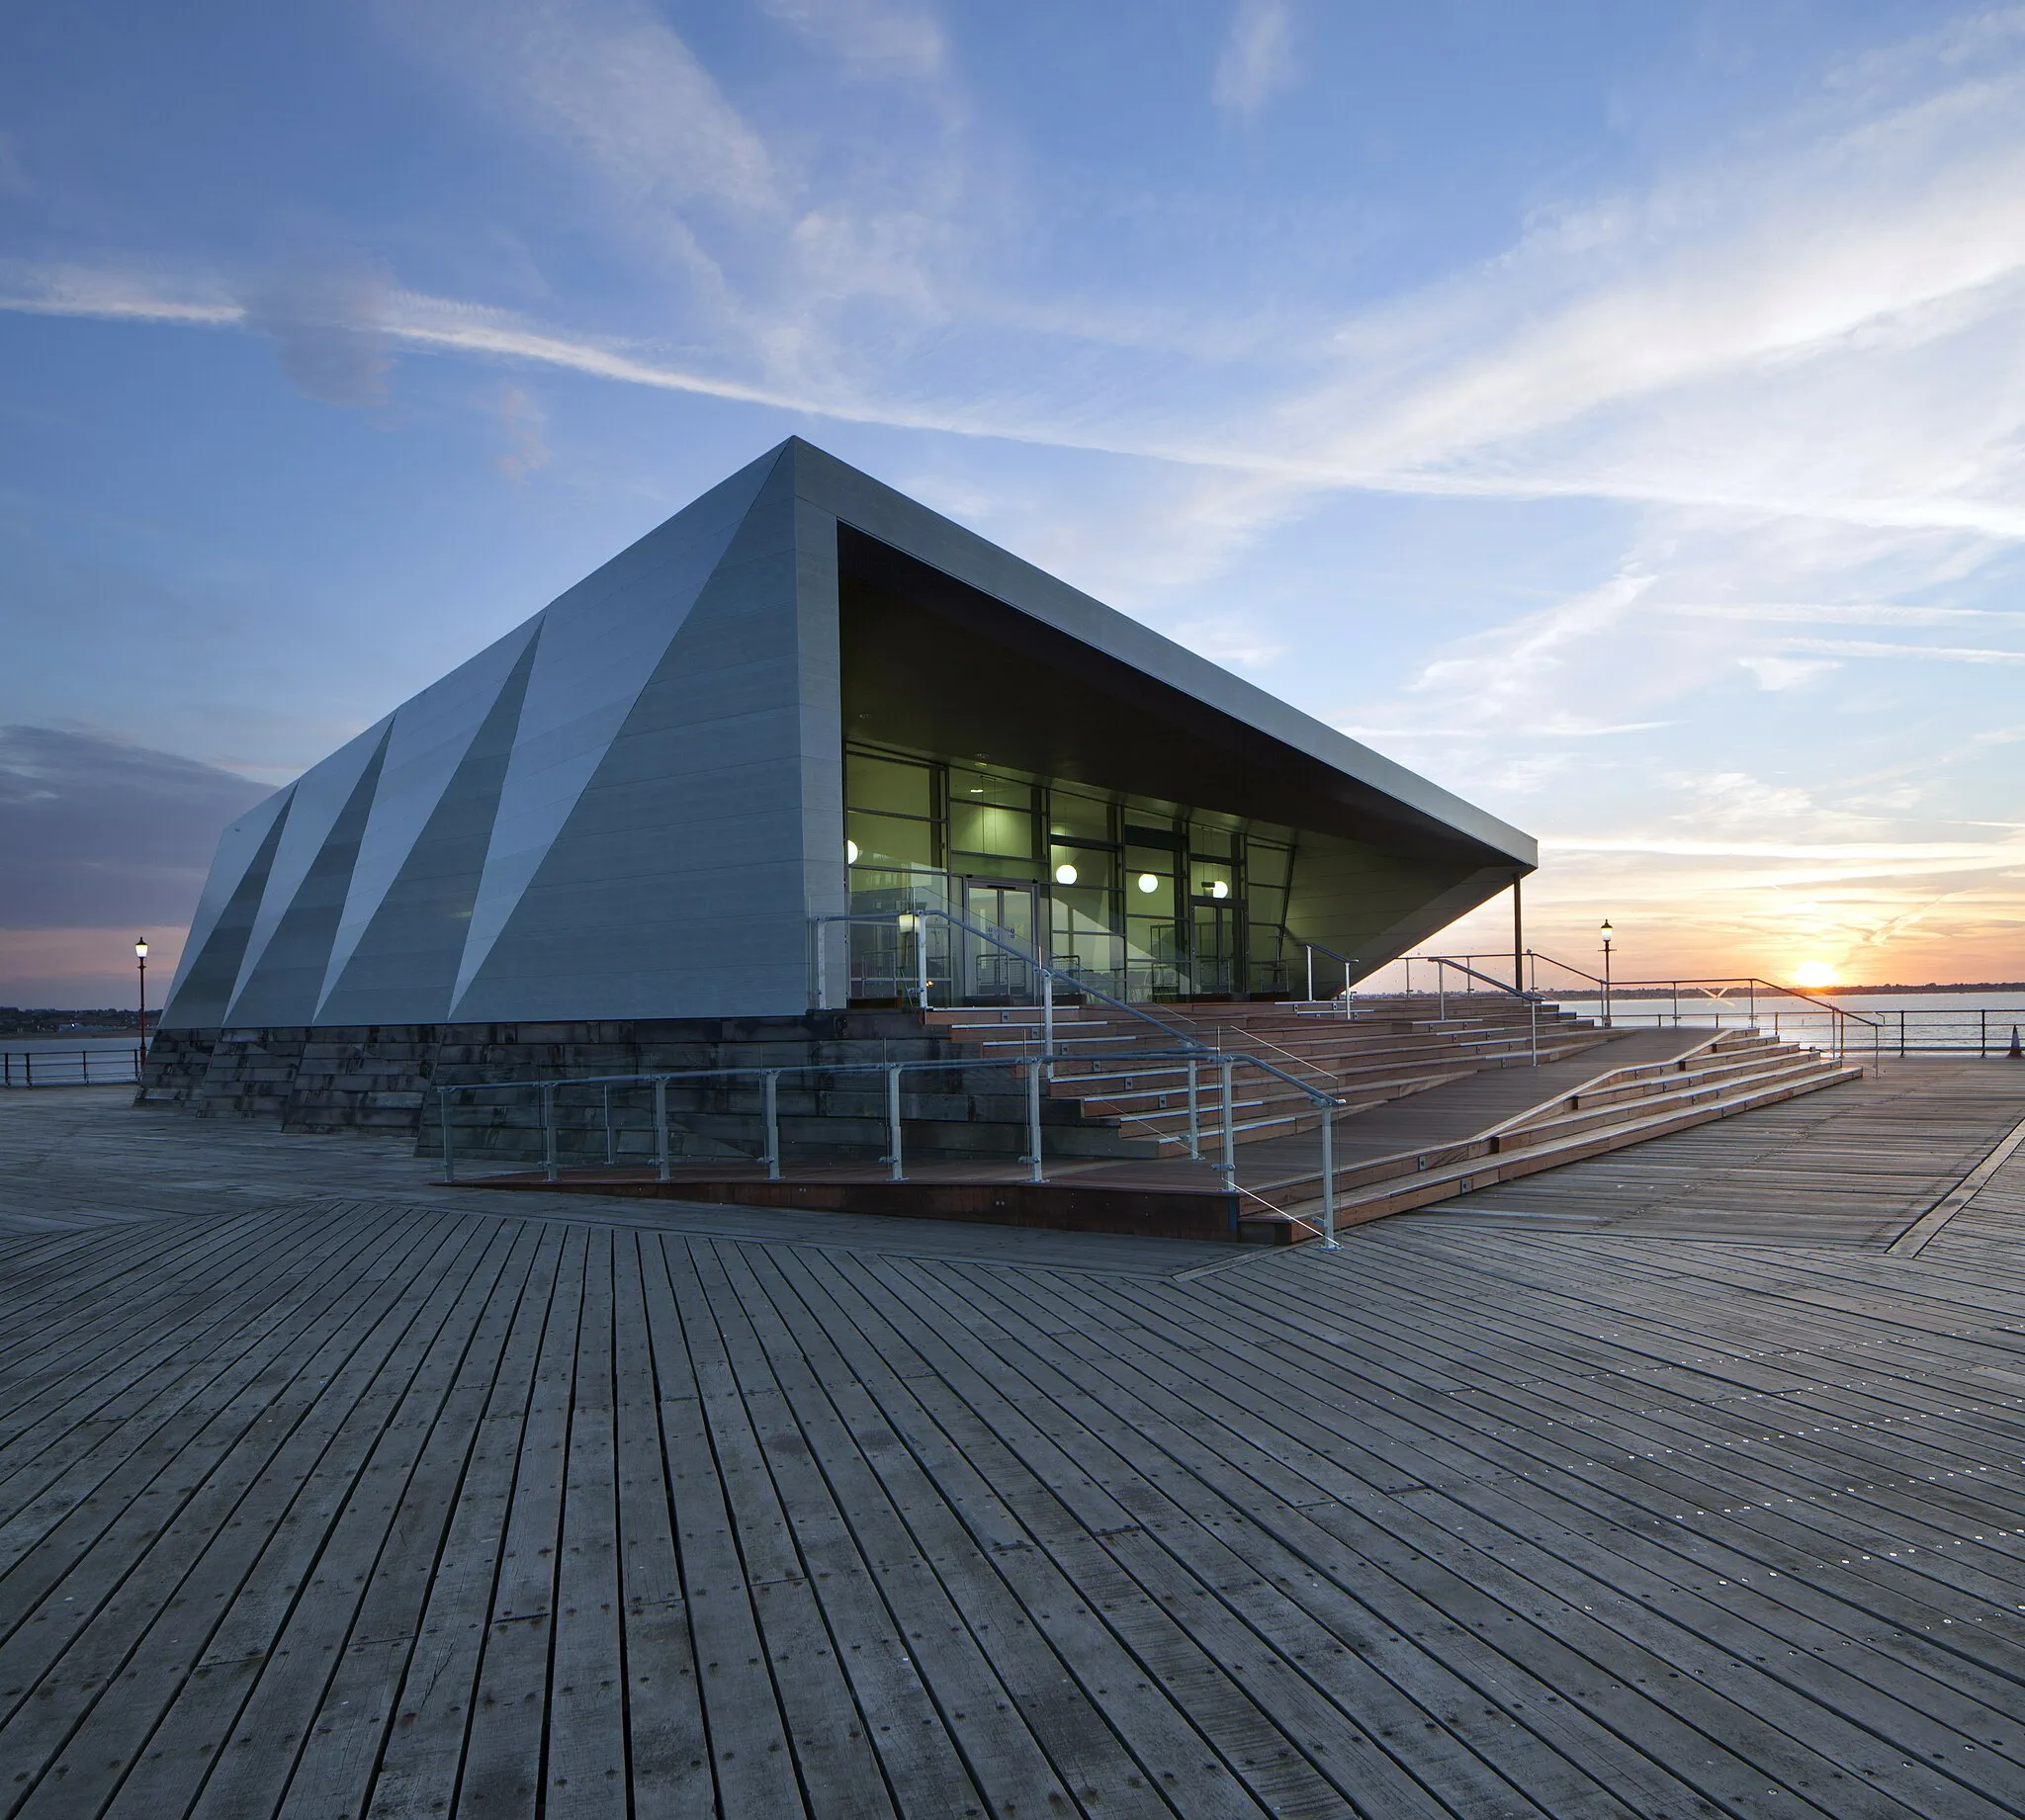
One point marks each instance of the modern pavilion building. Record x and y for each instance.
(806, 695)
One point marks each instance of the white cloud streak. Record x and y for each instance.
(1257, 60)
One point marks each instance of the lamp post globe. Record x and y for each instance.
(141, 961)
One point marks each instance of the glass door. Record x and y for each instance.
(1215, 945)
(986, 972)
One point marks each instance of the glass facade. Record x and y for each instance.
(1144, 899)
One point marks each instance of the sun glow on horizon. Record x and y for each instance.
(1813, 973)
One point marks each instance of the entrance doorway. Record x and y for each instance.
(986, 971)
(1217, 947)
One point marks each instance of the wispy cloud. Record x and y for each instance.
(1850, 614)
(1257, 59)
(869, 37)
(1919, 654)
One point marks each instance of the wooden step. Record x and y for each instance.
(1401, 1194)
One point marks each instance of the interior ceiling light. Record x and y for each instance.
(1148, 882)
(1065, 874)
(851, 852)
(1220, 889)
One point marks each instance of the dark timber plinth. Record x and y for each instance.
(1147, 1210)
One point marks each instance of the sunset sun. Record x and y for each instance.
(1813, 973)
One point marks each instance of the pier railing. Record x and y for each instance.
(27, 1068)
(733, 1115)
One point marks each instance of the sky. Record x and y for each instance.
(1616, 413)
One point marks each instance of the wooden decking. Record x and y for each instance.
(328, 1491)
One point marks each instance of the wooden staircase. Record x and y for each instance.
(1714, 1075)
(1385, 1053)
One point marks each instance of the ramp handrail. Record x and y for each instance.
(1195, 1057)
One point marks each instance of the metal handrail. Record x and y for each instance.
(1193, 1055)
(908, 921)
(1192, 1035)
(70, 1067)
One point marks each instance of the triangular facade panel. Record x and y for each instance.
(216, 944)
(601, 641)
(431, 737)
(282, 986)
(321, 795)
(403, 966)
(686, 839)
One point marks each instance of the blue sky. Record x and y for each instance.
(1613, 412)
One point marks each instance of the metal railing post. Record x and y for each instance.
(1441, 992)
(1329, 1178)
(1347, 1013)
(661, 1129)
(1047, 1021)
(921, 961)
(771, 1092)
(1034, 1121)
(548, 1096)
(1228, 1065)
(895, 1170)
(1902, 1036)
(820, 929)
(1532, 1020)
(612, 1138)
(1309, 949)
(1194, 1114)
(443, 1119)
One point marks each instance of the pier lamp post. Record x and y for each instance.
(1607, 933)
(141, 961)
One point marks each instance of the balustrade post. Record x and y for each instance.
(1194, 1116)
(1034, 1121)
(1047, 1022)
(771, 1099)
(661, 1129)
(611, 1136)
(1329, 1179)
(548, 1101)
(1230, 1136)
(443, 1119)
(895, 1170)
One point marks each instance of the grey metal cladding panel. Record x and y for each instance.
(858, 499)
(210, 967)
(319, 796)
(823, 882)
(238, 848)
(404, 967)
(431, 737)
(713, 736)
(600, 643)
(287, 981)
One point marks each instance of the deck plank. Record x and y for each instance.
(1669, 1490)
